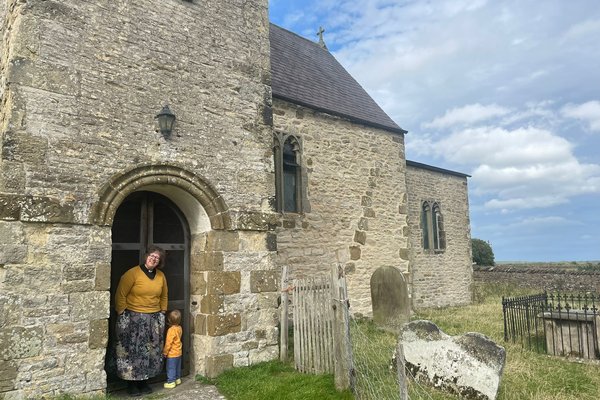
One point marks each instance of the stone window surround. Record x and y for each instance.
(429, 209)
(279, 141)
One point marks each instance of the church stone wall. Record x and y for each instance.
(439, 278)
(54, 305)
(85, 80)
(81, 84)
(356, 211)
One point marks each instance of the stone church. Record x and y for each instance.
(277, 157)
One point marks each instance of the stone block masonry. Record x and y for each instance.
(439, 278)
(53, 319)
(357, 200)
(81, 84)
(235, 322)
(92, 86)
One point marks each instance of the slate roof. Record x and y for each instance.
(304, 73)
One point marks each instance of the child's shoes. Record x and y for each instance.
(170, 385)
(178, 381)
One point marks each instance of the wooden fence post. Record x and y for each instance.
(283, 323)
(401, 372)
(343, 365)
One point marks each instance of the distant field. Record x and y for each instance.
(568, 265)
(549, 262)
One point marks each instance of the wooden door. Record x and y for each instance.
(144, 219)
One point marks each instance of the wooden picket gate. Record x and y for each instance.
(321, 329)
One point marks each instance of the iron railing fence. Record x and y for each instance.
(556, 323)
(520, 320)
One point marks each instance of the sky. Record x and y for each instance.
(507, 92)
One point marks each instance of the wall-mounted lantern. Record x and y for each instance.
(166, 121)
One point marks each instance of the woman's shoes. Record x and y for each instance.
(144, 387)
(132, 389)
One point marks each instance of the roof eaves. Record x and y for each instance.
(436, 169)
(397, 130)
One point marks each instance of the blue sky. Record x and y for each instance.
(505, 91)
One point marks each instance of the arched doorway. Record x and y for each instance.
(144, 219)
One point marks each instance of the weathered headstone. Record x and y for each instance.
(469, 365)
(389, 296)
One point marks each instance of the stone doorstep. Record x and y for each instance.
(189, 389)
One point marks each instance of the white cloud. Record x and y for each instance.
(502, 148)
(587, 112)
(478, 90)
(583, 29)
(399, 39)
(391, 54)
(523, 203)
(523, 168)
(292, 18)
(532, 76)
(452, 8)
(467, 115)
(546, 221)
(540, 111)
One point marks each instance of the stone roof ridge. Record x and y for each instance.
(316, 44)
(304, 73)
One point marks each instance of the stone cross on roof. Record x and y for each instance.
(320, 35)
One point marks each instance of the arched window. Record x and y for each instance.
(432, 225)
(288, 177)
(439, 235)
(425, 224)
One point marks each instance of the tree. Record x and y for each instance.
(482, 252)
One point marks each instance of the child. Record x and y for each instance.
(172, 350)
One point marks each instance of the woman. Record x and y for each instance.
(141, 303)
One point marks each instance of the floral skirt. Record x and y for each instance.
(140, 340)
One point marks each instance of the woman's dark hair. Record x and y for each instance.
(174, 317)
(159, 250)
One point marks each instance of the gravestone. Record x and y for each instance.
(389, 296)
(469, 365)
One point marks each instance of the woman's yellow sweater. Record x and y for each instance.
(137, 292)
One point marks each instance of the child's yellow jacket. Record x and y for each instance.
(172, 347)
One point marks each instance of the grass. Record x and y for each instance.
(376, 377)
(277, 381)
(78, 397)
(588, 266)
(527, 375)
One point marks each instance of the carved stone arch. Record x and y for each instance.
(283, 162)
(154, 177)
(426, 206)
(282, 137)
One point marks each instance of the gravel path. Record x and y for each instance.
(188, 390)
